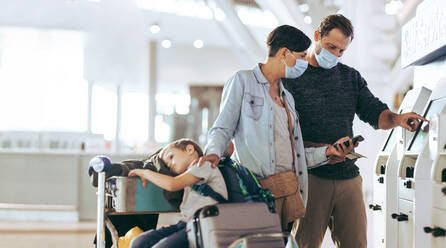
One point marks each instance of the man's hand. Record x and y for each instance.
(409, 121)
(139, 173)
(213, 158)
(337, 152)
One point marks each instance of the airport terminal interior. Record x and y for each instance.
(87, 84)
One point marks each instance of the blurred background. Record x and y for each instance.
(124, 77)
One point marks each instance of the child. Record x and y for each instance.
(178, 156)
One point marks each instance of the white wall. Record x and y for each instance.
(182, 65)
(428, 75)
(50, 179)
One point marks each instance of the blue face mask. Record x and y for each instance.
(326, 59)
(297, 70)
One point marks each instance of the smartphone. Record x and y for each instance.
(357, 138)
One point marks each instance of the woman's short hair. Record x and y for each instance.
(289, 37)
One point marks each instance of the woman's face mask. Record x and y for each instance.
(297, 70)
(326, 59)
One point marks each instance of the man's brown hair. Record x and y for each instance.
(336, 21)
(181, 144)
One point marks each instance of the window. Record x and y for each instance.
(168, 105)
(134, 124)
(41, 80)
(103, 112)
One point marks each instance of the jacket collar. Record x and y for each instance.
(259, 75)
(262, 80)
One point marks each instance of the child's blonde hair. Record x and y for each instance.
(182, 144)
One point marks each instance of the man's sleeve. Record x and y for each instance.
(368, 107)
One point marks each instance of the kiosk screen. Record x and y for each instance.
(435, 107)
(390, 141)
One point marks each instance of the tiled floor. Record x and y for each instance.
(66, 235)
(56, 235)
(46, 235)
(46, 239)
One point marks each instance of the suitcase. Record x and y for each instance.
(264, 240)
(221, 224)
(124, 200)
(126, 194)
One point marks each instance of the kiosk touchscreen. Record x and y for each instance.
(385, 184)
(413, 172)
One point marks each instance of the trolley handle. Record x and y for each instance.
(100, 164)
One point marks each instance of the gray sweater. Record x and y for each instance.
(327, 101)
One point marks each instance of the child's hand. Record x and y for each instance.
(139, 173)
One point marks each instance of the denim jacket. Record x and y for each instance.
(247, 117)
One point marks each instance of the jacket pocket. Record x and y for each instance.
(253, 106)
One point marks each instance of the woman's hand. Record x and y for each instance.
(139, 173)
(337, 152)
(213, 158)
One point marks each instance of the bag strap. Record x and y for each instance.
(290, 129)
(290, 124)
(206, 190)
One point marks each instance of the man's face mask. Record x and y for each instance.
(297, 70)
(326, 59)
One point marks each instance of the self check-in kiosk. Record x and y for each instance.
(437, 228)
(386, 167)
(430, 196)
(421, 175)
(413, 174)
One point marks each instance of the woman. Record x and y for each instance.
(258, 114)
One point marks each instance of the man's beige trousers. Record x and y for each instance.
(337, 204)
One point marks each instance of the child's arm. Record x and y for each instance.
(164, 181)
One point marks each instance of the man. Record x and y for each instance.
(327, 96)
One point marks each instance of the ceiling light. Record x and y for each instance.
(393, 7)
(166, 43)
(198, 44)
(304, 7)
(155, 28)
(219, 15)
(308, 19)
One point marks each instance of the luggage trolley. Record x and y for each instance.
(215, 226)
(124, 196)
